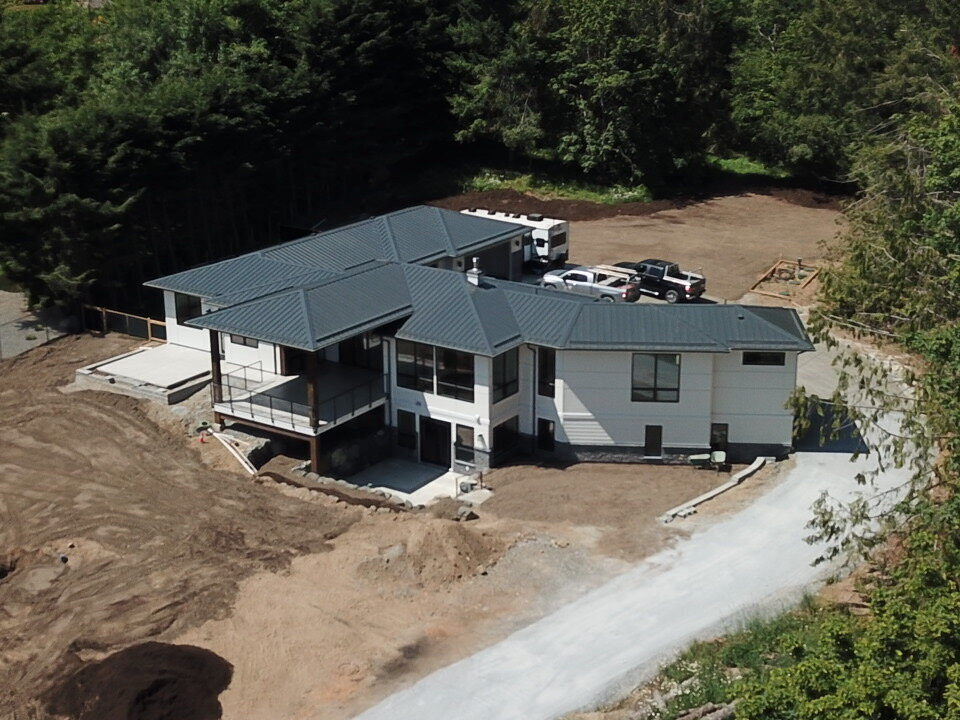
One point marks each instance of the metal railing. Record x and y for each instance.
(281, 412)
(244, 377)
(106, 320)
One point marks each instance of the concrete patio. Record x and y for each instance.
(415, 482)
(168, 373)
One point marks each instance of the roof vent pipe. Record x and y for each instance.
(475, 274)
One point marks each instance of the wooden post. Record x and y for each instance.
(315, 453)
(215, 375)
(312, 390)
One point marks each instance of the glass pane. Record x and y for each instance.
(546, 371)
(464, 436)
(668, 371)
(406, 365)
(644, 371)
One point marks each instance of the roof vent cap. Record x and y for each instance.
(475, 274)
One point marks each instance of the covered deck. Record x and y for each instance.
(306, 404)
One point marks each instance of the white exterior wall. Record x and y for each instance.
(265, 356)
(180, 334)
(437, 407)
(593, 399)
(751, 399)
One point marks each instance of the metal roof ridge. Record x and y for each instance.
(780, 330)
(311, 335)
(446, 230)
(465, 288)
(389, 236)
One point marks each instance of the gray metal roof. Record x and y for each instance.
(315, 316)
(320, 289)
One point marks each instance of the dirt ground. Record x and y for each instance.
(712, 237)
(124, 543)
(118, 529)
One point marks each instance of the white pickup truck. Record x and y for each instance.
(546, 246)
(610, 284)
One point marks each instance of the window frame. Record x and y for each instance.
(502, 385)
(423, 363)
(542, 363)
(462, 451)
(760, 358)
(656, 392)
(187, 307)
(451, 381)
(245, 341)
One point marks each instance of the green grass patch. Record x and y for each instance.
(547, 188)
(741, 165)
(712, 671)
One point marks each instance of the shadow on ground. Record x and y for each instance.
(831, 431)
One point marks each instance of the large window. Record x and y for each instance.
(415, 366)
(188, 307)
(764, 358)
(454, 370)
(655, 378)
(506, 375)
(546, 371)
(455, 374)
(406, 429)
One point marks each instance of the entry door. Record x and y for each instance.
(653, 441)
(718, 436)
(435, 442)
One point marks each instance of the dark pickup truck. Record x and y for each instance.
(666, 280)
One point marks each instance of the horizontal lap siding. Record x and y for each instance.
(751, 399)
(596, 407)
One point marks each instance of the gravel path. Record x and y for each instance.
(594, 648)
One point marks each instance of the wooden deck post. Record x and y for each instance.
(315, 454)
(215, 374)
(312, 393)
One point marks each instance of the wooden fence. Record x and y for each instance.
(106, 320)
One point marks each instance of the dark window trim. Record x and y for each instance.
(422, 377)
(764, 357)
(661, 394)
(504, 385)
(241, 340)
(546, 381)
(457, 389)
(186, 307)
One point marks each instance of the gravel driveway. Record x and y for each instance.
(594, 649)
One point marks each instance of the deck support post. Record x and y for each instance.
(315, 454)
(312, 393)
(215, 374)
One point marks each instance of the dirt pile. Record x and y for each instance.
(151, 681)
(434, 552)
(154, 541)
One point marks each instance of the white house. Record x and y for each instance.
(373, 331)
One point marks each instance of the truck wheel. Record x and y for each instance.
(606, 298)
(671, 296)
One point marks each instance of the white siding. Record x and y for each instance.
(264, 356)
(455, 412)
(180, 334)
(595, 407)
(751, 399)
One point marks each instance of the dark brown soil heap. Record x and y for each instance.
(151, 681)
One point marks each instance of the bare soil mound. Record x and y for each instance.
(151, 681)
(434, 552)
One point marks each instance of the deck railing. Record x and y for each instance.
(281, 412)
(105, 320)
